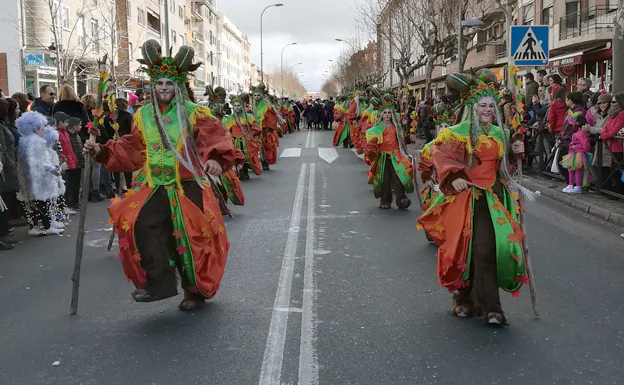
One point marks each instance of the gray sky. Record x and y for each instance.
(314, 25)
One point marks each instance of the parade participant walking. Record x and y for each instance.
(391, 168)
(172, 218)
(476, 226)
(342, 132)
(267, 120)
(246, 135)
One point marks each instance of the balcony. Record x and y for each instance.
(501, 50)
(588, 24)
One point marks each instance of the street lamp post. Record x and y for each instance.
(348, 42)
(261, 50)
(282, 65)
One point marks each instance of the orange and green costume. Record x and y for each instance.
(382, 144)
(201, 246)
(450, 217)
(342, 130)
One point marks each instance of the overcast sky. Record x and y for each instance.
(314, 25)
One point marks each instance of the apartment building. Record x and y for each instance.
(231, 45)
(202, 23)
(580, 43)
(31, 56)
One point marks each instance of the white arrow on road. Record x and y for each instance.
(291, 153)
(328, 154)
(361, 156)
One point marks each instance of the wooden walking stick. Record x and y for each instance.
(86, 177)
(527, 260)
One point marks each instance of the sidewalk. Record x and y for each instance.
(591, 203)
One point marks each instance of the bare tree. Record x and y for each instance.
(115, 31)
(292, 84)
(76, 51)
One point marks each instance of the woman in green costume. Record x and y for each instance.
(475, 225)
(391, 168)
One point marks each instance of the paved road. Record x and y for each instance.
(321, 287)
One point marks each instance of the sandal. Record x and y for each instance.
(141, 295)
(495, 319)
(461, 311)
(189, 304)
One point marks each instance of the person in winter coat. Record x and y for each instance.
(613, 126)
(558, 108)
(36, 173)
(71, 105)
(9, 183)
(45, 103)
(73, 176)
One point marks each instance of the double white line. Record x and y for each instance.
(274, 349)
(310, 139)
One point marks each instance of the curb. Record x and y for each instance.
(579, 204)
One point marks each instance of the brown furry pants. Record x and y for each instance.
(154, 238)
(482, 294)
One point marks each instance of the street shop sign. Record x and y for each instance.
(529, 45)
(34, 60)
(566, 61)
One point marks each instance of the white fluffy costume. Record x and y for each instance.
(34, 160)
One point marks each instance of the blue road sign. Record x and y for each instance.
(35, 59)
(529, 45)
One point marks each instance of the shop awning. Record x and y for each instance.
(571, 59)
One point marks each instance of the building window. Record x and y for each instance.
(128, 10)
(95, 35)
(94, 2)
(172, 6)
(182, 39)
(130, 51)
(180, 12)
(65, 17)
(80, 32)
(173, 36)
(547, 13)
(528, 14)
(141, 16)
(572, 14)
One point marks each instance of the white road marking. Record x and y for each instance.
(274, 349)
(308, 360)
(307, 143)
(291, 153)
(361, 156)
(328, 154)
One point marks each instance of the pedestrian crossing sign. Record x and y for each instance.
(529, 45)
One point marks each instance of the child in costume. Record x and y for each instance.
(578, 161)
(37, 173)
(57, 207)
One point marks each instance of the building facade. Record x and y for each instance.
(231, 46)
(580, 38)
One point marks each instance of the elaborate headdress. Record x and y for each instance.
(387, 101)
(216, 100)
(442, 115)
(177, 69)
(260, 88)
(242, 98)
(472, 88)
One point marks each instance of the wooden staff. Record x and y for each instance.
(84, 198)
(527, 260)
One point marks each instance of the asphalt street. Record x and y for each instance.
(321, 287)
